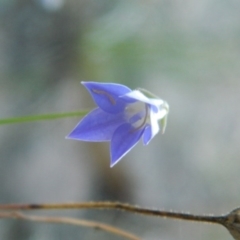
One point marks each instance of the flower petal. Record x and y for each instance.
(154, 123)
(106, 95)
(97, 126)
(147, 135)
(123, 140)
(137, 95)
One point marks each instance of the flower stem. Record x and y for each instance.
(50, 116)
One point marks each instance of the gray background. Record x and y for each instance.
(186, 52)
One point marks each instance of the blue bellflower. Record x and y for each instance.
(123, 116)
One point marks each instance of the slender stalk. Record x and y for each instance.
(114, 205)
(71, 221)
(50, 116)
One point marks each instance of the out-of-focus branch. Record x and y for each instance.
(113, 205)
(231, 221)
(71, 221)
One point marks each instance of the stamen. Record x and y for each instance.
(110, 98)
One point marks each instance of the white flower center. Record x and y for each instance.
(138, 114)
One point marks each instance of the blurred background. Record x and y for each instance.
(186, 52)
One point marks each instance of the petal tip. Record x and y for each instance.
(114, 162)
(112, 165)
(83, 83)
(69, 137)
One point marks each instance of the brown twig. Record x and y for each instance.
(230, 221)
(113, 205)
(72, 221)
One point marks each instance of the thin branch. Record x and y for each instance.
(230, 221)
(71, 221)
(117, 206)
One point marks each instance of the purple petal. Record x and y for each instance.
(147, 135)
(136, 117)
(97, 126)
(151, 129)
(123, 140)
(106, 95)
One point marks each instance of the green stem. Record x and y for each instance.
(50, 116)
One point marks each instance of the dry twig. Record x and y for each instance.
(72, 221)
(230, 221)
